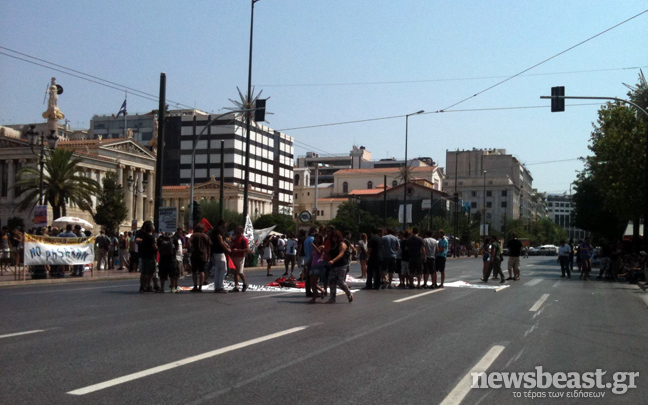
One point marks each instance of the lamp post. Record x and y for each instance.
(133, 186)
(246, 180)
(38, 139)
(405, 169)
(182, 212)
(193, 162)
(484, 208)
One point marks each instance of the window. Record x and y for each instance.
(473, 194)
(394, 183)
(473, 205)
(370, 185)
(489, 194)
(488, 215)
(461, 183)
(503, 204)
(345, 187)
(489, 204)
(295, 196)
(504, 193)
(296, 179)
(550, 205)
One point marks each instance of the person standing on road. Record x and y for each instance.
(180, 245)
(563, 259)
(147, 252)
(496, 259)
(239, 247)
(200, 253)
(430, 245)
(133, 246)
(123, 251)
(167, 262)
(219, 252)
(374, 259)
(417, 255)
(440, 259)
(585, 254)
(308, 253)
(362, 255)
(291, 253)
(515, 247)
(103, 244)
(391, 249)
(339, 260)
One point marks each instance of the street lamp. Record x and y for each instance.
(405, 170)
(132, 186)
(193, 161)
(484, 208)
(246, 180)
(38, 139)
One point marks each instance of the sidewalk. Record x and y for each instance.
(9, 279)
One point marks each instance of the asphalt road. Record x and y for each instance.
(106, 343)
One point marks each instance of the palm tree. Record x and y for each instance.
(62, 183)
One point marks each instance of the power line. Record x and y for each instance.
(544, 61)
(443, 80)
(432, 112)
(89, 78)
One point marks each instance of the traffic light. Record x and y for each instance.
(557, 99)
(197, 216)
(260, 109)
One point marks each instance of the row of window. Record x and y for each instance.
(488, 204)
(560, 205)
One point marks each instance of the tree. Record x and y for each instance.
(351, 218)
(63, 183)
(111, 209)
(284, 223)
(210, 209)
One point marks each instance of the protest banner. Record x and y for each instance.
(40, 250)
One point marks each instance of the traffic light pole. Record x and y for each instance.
(645, 209)
(193, 160)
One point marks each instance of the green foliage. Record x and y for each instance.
(284, 223)
(63, 183)
(210, 209)
(351, 218)
(111, 209)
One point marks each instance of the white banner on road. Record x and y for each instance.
(40, 250)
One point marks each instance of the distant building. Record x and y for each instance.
(358, 158)
(560, 209)
(494, 183)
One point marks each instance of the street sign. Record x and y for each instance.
(305, 216)
(168, 219)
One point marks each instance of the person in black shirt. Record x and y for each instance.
(147, 249)
(167, 263)
(374, 260)
(515, 248)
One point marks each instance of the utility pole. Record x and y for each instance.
(159, 163)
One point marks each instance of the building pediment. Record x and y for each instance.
(9, 142)
(128, 146)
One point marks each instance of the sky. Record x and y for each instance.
(334, 61)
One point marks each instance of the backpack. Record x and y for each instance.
(165, 245)
(347, 252)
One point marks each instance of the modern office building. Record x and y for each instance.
(560, 209)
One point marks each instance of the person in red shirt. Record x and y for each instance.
(240, 247)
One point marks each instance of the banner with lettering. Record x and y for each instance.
(41, 250)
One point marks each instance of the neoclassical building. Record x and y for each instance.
(133, 163)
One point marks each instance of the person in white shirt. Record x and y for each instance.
(430, 245)
(563, 258)
(291, 253)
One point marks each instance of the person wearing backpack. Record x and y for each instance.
(167, 262)
(339, 256)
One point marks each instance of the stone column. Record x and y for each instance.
(11, 180)
(140, 196)
(128, 194)
(150, 194)
(120, 175)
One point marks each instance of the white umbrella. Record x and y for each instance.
(63, 221)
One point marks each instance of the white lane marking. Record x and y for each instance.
(21, 333)
(419, 295)
(178, 363)
(533, 282)
(502, 288)
(557, 283)
(539, 303)
(463, 387)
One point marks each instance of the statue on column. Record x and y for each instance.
(53, 114)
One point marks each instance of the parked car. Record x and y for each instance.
(547, 250)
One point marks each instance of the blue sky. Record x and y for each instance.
(331, 61)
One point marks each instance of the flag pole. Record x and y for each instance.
(125, 119)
